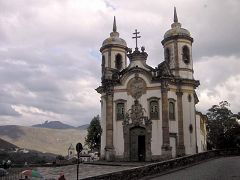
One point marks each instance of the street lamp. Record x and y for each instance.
(79, 148)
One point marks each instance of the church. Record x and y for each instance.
(148, 113)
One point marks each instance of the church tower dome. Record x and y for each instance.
(114, 53)
(176, 29)
(177, 45)
(114, 38)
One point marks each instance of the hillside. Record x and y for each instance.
(54, 141)
(6, 145)
(54, 125)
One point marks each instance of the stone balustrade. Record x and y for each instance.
(163, 166)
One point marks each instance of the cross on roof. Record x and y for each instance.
(136, 37)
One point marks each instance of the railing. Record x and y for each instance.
(160, 167)
(14, 174)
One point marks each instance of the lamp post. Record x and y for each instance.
(79, 148)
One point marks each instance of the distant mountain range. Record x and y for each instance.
(54, 125)
(59, 125)
(56, 141)
(83, 127)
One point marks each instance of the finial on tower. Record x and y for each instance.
(114, 25)
(175, 15)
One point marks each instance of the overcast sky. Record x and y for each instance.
(50, 60)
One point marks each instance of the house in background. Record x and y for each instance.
(71, 152)
(201, 131)
(84, 155)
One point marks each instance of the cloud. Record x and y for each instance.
(8, 110)
(220, 80)
(50, 61)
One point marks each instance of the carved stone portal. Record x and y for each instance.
(137, 130)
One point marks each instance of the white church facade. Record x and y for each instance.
(148, 113)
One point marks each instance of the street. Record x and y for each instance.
(226, 168)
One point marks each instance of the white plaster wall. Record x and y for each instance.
(113, 55)
(173, 125)
(186, 74)
(156, 126)
(118, 140)
(170, 45)
(189, 118)
(182, 73)
(103, 126)
(156, 145)
(114, 52)
(140, 64)
(173, 145)
(198, 132)
(105, 53)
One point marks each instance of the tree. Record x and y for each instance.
(223, 127)
(93, 139)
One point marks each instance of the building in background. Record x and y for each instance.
(71, 152)
(201, 122)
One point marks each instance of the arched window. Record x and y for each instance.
(154, 109)
(186, 54)
(171, 110)
(118, 62)
(120, 111)
(167, 55)
(103, 63)
(189, 98)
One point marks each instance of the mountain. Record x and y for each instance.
(56, 141)
(6, 145)
(54, 125)
(83, 127)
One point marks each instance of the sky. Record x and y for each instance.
(50, 64)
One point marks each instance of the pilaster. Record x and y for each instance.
(180, 147)
(109, 149)
(166, 149)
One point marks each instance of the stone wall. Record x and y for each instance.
(159, 167)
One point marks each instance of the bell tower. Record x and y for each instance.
(114, 60)
(177, 45)
(114, 53)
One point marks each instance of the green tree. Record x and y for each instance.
(223, 127)
(93, 139)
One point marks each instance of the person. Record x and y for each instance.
(26, 177)
(61, 177)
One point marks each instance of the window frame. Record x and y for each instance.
(173, 116)
(167, 52)
(186, 54)
(119, 66)
(156, 115)
(120, 101)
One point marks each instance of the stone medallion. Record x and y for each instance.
(136, 87)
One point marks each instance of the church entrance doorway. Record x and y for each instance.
(137, 144)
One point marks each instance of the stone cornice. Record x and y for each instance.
(107, 87)
(177, 37)
(113, 45)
